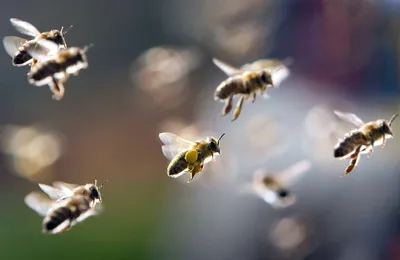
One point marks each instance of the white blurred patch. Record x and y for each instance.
(32, 149)
(292, 236)
(162, 73)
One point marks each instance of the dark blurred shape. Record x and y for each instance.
(162, 73)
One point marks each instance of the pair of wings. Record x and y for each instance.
(257, 65)
(350, 118)
(41, 203)
(174, 145)
(277, 68)
(286, 177)
(13, 43)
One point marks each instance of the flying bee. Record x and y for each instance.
(273, 188)
(66, 204)
(248, 81)
(187, 156)
(17, 47)
(55, 68)
(363, 139)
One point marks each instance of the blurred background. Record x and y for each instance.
(150, 71)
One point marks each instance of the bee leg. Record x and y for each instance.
(228, 106)
(195, 171)
(254, 97)
(57, 88)
(353, 163)
(238, 109)
(383, 141)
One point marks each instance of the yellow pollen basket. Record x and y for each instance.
(191, 156)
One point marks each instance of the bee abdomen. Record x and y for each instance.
(55, 218)
(44, 70)
(21, 57)
(228, 87)
(349, 144)
(177, 165)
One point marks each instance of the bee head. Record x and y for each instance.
(213, 144)
(57, 37)
(266, 78)
(387, 126)
(94, 191)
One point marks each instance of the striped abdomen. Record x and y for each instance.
(178, 164)
(245, 84)
(350, 143)
(67, 212)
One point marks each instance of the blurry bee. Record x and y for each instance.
(17, 47)
(273, 189)
(187, 156)
(248, 81)
(361, 140)
(55, 66)
(66, 204)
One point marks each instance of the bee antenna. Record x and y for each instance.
(221, 137)
(101, 185)
(392, 119)
(95, 182)
(65, 32)
(87, 47)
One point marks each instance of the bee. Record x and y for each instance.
(187, 156)
(248, 81)
(273, 188)
(363, 139)
(55, 66)
(66, 204)
(17, 47)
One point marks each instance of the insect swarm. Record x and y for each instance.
(55, 68)
(17, 47)
(273, 188)
(187, 156)
(363, 139)
(66, 204)
(247, 82)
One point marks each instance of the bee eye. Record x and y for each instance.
(264, 78)
(213, 146)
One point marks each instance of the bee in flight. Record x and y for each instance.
(273, 188)
(66, 204)
(55, 66)
(248, 81)
(187, 156)
(363, 139)
(17, 47)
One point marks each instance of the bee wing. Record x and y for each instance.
(170, 151)
(66, 187)
(173, 139)
(12, 44)
(350, 118)
(225, 67)
(55, 194)
(290, 175)
(38, 202)
(24, 27)
(42, 49)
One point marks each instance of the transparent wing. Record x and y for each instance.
(350, 118)
(55, 194)
(173, 139)
(263, 64)
(170, 151)
(42, 49)
(38, 202)
(12, 44)
(225, 67)
(65, 187)
(290, 175)
(24, 27)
